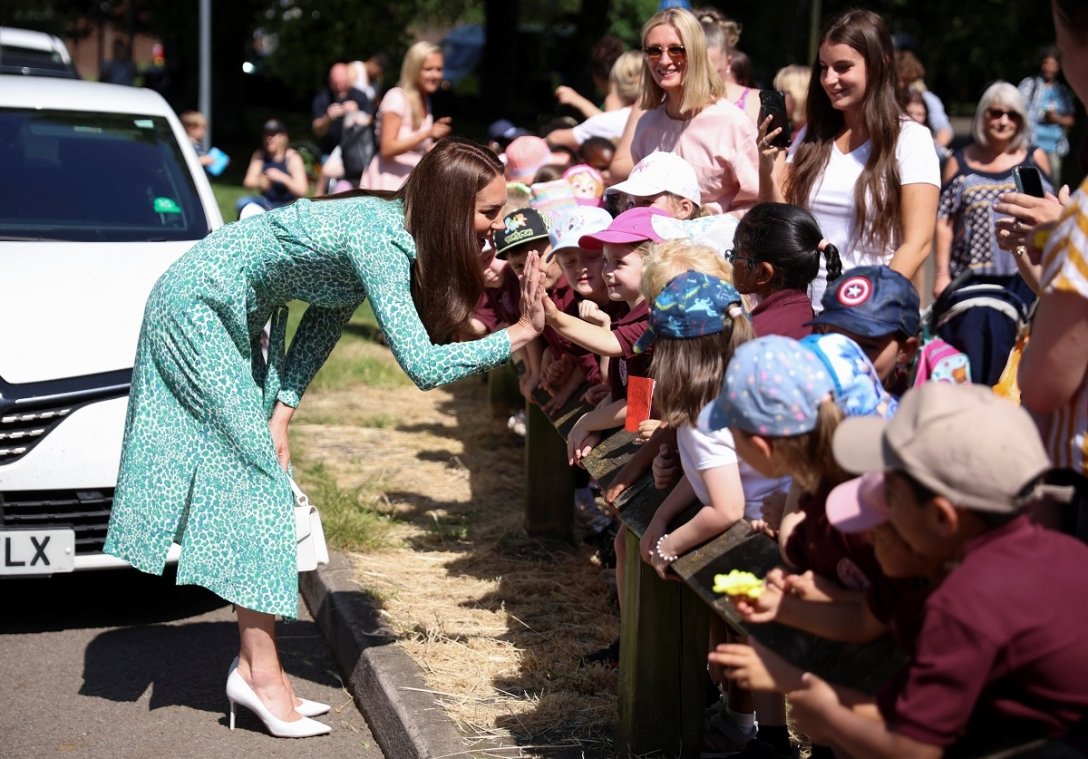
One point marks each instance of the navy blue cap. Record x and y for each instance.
(871, 301)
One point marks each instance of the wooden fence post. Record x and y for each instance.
(549, 480)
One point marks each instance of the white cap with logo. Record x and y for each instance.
(661, 172)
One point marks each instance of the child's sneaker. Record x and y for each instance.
(516, 423)
(723, 737)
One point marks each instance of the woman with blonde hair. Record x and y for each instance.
(793, 80)
(684, 111)
(974, 177)
(406, 127)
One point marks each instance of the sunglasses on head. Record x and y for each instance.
(996, 113)
(676, 52)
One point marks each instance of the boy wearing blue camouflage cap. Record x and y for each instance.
(878, 308)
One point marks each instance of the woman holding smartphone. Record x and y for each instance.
(973, 179)
(868, 174)
(683, 110)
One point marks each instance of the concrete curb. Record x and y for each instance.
(386, 684)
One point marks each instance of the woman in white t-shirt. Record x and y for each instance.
(868, 174)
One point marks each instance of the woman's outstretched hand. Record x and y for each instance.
(531, 323)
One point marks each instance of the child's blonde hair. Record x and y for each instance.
(191, 119)
(808, 458)
(688, 373)
(667, 260)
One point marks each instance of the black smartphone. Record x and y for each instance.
(773, 103)
(1028, 181)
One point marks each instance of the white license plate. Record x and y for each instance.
(37, 552)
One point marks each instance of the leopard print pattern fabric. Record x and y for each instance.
(198, 465)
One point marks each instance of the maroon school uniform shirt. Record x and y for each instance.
(848, 559)
(500, 305)
(784, 313)
(627, 331)
(1002, 643)
(564, 298)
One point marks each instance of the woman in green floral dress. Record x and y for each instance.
(205, 448)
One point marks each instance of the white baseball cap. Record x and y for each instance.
(661, 172)
(572, 223)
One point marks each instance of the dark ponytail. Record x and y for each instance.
(788, 238)
(832, 262)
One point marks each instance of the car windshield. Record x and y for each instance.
(94, 177)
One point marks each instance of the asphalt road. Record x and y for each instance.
(122, 664)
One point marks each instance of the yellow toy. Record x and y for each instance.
(738, 584)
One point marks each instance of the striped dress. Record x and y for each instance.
(1065, 269)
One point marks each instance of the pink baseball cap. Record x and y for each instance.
(630, 227)
(858, 504)
(525, 156)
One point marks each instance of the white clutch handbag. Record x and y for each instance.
(310, 538)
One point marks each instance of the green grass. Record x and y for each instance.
(349, 519)
(227, 195)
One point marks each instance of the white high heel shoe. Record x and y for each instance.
(239, 692)
(306, 708)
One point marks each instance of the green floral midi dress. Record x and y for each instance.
(198, 465)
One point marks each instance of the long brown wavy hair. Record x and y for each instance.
(439, 199)
(878, 221)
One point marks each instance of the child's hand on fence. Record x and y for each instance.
(590, 312)
(595, 394)
(558, 371)
(755, 667)
(646, 429)
(580, 442)
(666, 468)
(559, 399)
(811, 703)
(760, 525)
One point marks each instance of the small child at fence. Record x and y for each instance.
(877, 308)
(776, 255)
(525, 230)
(661, 180)
(583, 270)
(782, 401)
(623, 243)
(999, 658)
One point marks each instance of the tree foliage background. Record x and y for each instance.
(535, 44)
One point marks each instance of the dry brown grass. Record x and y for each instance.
(494, 619)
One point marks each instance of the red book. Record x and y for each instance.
(640, 396)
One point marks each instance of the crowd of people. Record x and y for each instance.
(740, 292)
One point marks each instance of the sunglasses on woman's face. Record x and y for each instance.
(677, 53)
(996, 113)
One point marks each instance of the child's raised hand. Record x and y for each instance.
(590, 312)
(666, 467)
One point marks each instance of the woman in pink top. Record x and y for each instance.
(684, 111)
(406, 127)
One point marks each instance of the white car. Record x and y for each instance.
(25, 51)
(100, 191)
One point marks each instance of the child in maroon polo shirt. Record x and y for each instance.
(777, 251)
(999, 656)
(623, 243)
